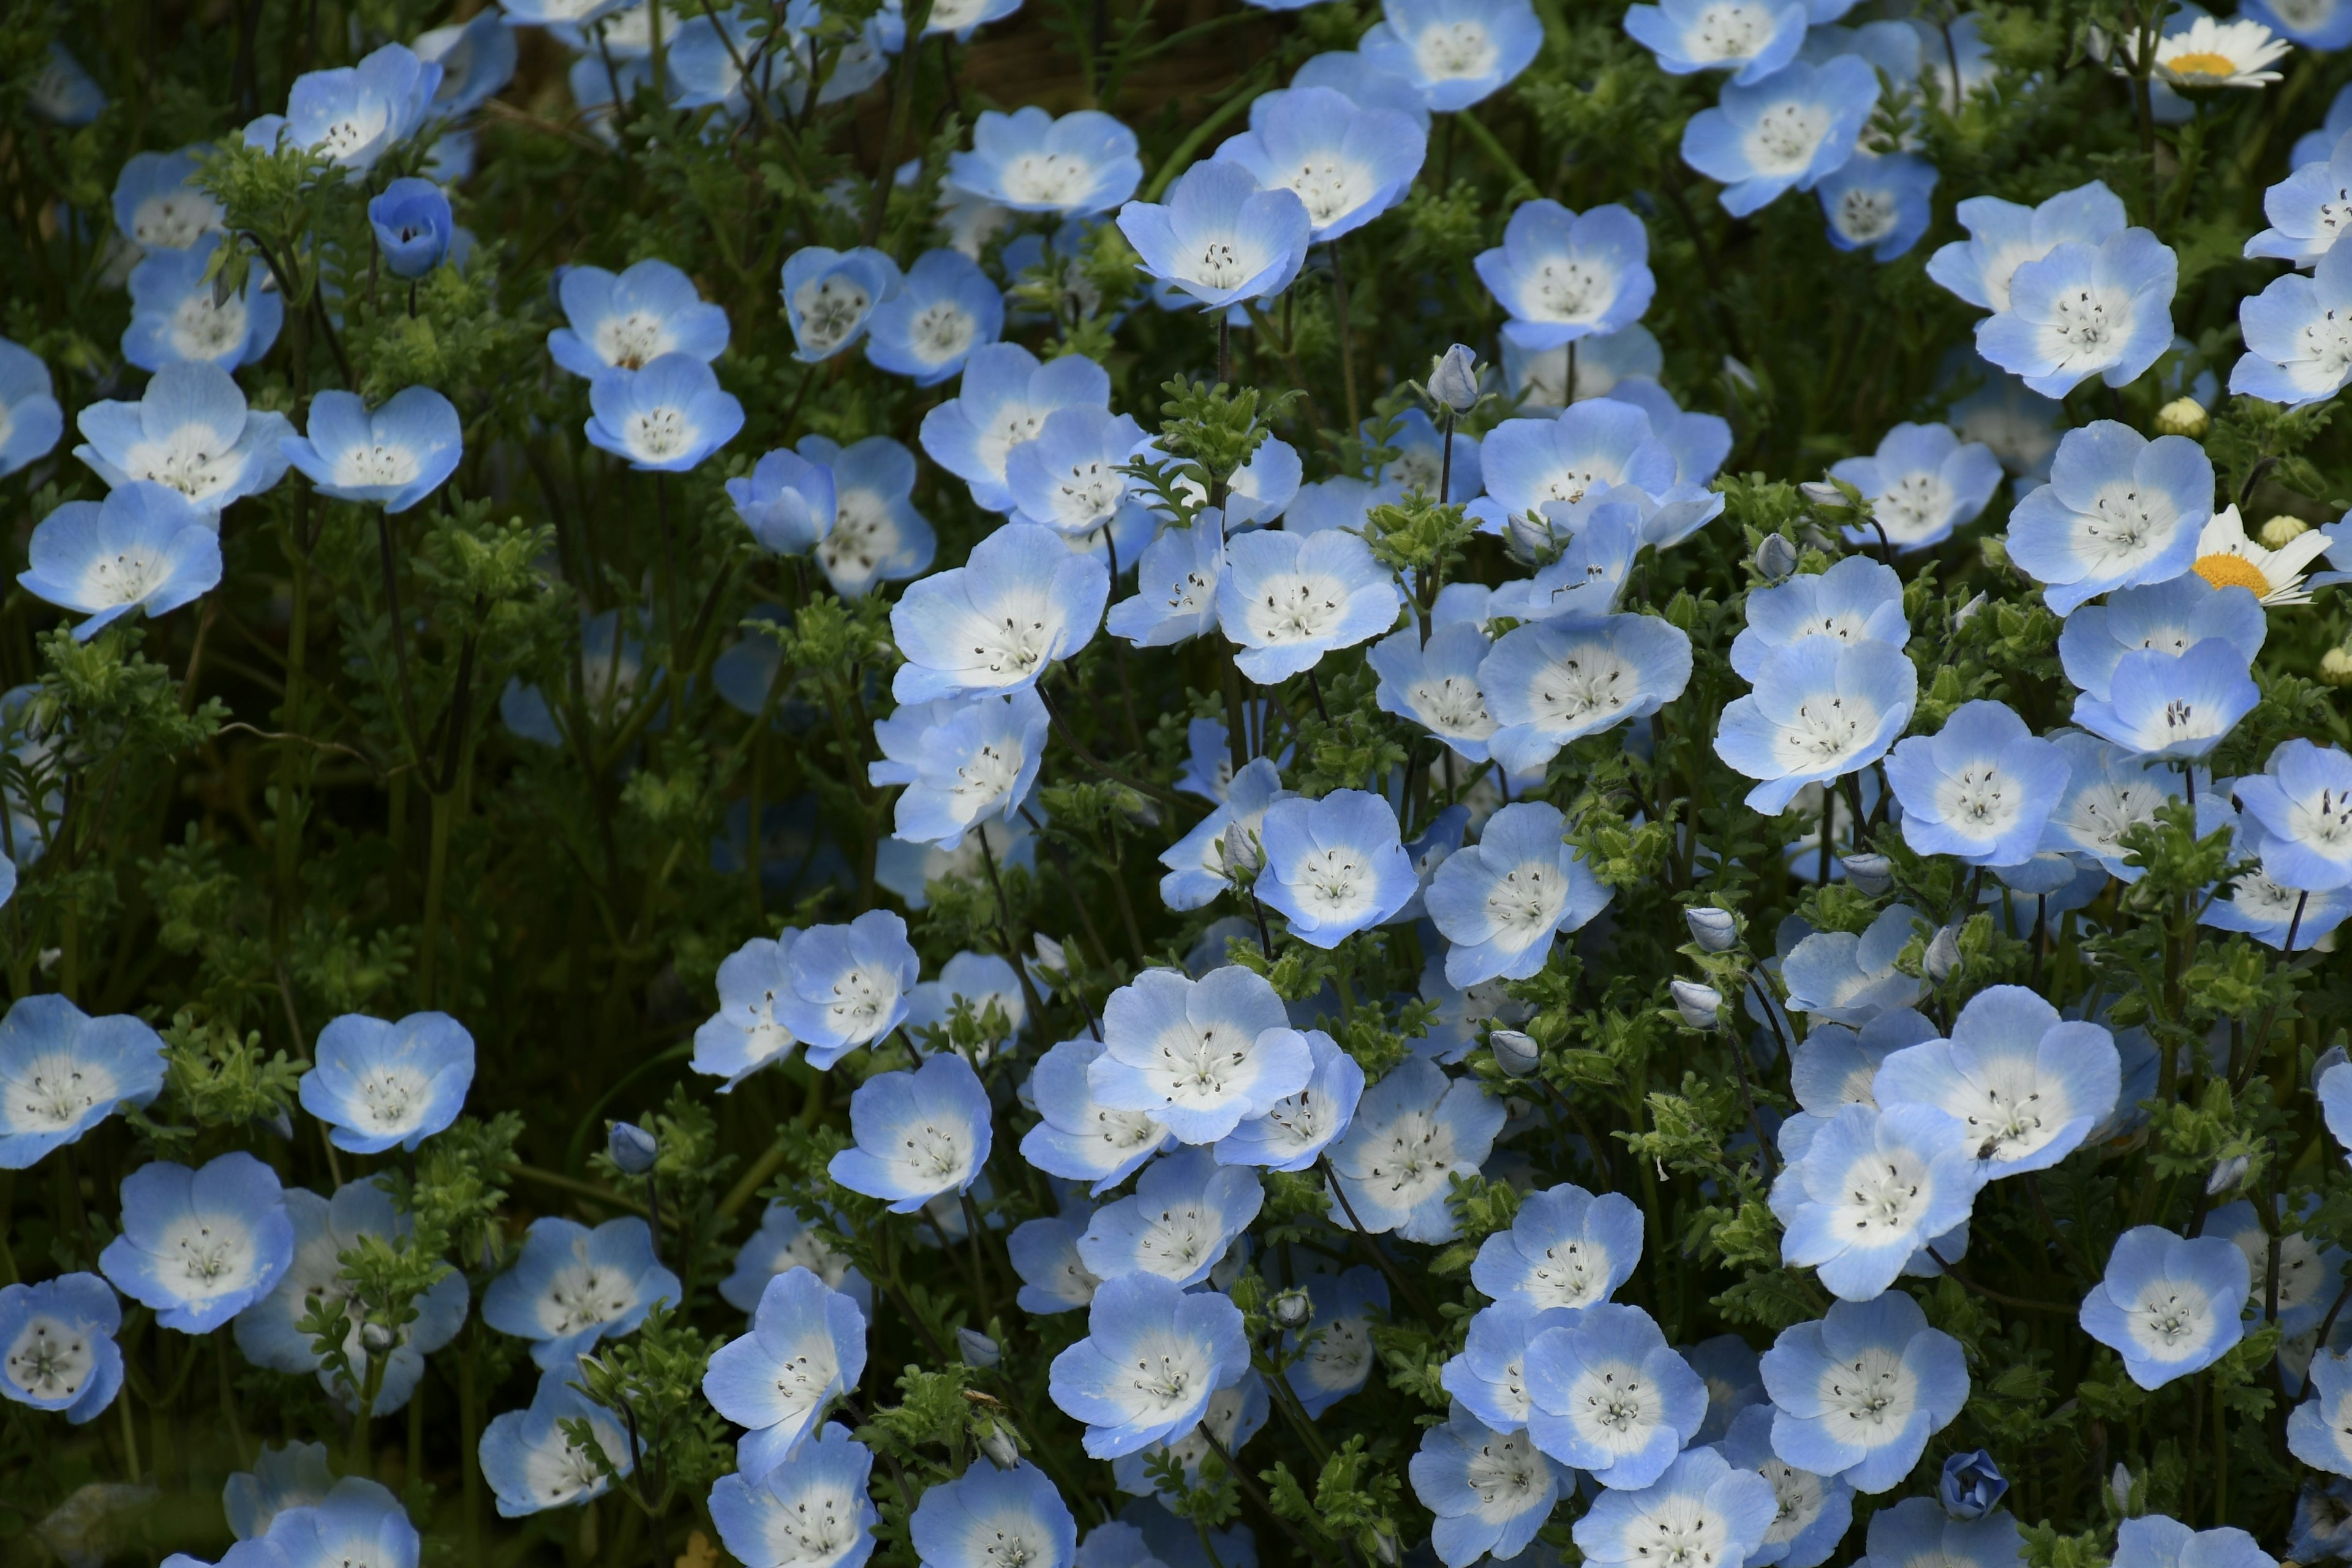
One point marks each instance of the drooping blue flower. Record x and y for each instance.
(270, 1333)
(63, 92)
(1348, 163)
(1298, 1128)
(2315, 1429)
(1152, 1356)
(378, 1083)
(1549, 684)
(1176, 600)
(960, 760)
(745, 1034)
(352, 115)
(191, 430)
(2026, 1086)
(2168, 1307)
(1922, 482)
(810, 1511)
(1821, 708)
(918, 1134)
(174, 318)
(1838, 977)
(62, 1072)
(784, 1242)
(2298, 344)
(2307, 208)
(1196, 862)
(1335, 865)
(2163, 704)
(1813, 1511)
(787, 501)
(944, 308)
(1334, 1355)
(1561, 276)
(1610, 1397)
(1874, 1188)
(806, 1347)
(531, 1463)
(627, 320)
(1915, 1533)
(200, 1246)
(476, 58)
(1859, 1392)
(2004, 235)
(1500, 902)
(665, 418)
(1453, 53)
(571, 1287)
(1045, 1253)
(1414, 1131)
(1881, 202)
(2303, 801)
(1221, 237)
(56, 1345)
(1490, 1491)
(145, 547)
(2083, 311)
(1185, 1212)
(412, 226)
(1787, 132)
(1751, 38)
(1701, 1510)
(2154, 1541)
(1021, 603)
(392, 456)
(2171, 616)
(878, 536)
(30, 419)
(1565, 1248)
(830, 295)
(1070, 479)
(1200, 1056)
(1077, 165)
(157, 205)
(1079, 1139)
(1981, 789)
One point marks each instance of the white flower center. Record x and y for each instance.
(630, 341)
(862, 997)
(1979, 800)
(2171, 1321)
(1590, 681)
(1615, 1406)
(1882, 1197)
(657, 434)
(862, 538)
(2322, 821)
(2088, 323)
(55, 1092)
(1797, 1498)
(204, 331)
(1413, 1161)
(1870, 1399)
(173, 221)
(2102, 812)
(2328, 341)
(942, 331)
(1728, 33)
(1506, 1473)
(1454, 49)
(1330, 187)
(392, 1097)
(1525, 902)
(125, 577)
(1863, 215)
(50, 1360)
(1573, 1274)
(1295, 607)
(1786, 136)
(1453, 705)
(831, 308)
(1046, 179)
(212, 1255)
(375, 464)
(582, 1296)
(1565, 290)
(1914, 506)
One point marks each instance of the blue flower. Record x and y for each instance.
(1078, 1138)
(787, 501)
(1196, 862)
(2315, 1429)
(1837, 977)
(1334, 865)
(1420, 456)
(200, 1246)
(961, 760)
(62, 93)
(1021, 603)
(412, 225)
(1260, 491)
(2168, 1307)
(1236, 1413)
(919, 1133)
(1414, 1132)
(1699, 442)
(56, 1345)
(2083, 311)
(1499, 903)
(2298, 349)
(1030, 162)
(806, 1349)
(628, 321)
(1349, 164)
(1435, 684)
(665, 418)
(269, 1332)
(1453, 53)
(1296, 1130)
(352, 115)
(713, 61)
(2157, 1542)
(1184, 1214)
(358, 1520)
(1699, 1510)
(1859, 1392)
(1489, 1377)
(1813, 1512)
(144, 547)
(1550, 684)
(979, 979)
(571, 1287)
(1490, 1492)
(286, 1475)
(2303, 801)
(1002, 401)
(2163, 704)
(1153, 1356)
(878, 536)
(1561, 276)
(30, 419)
(964, 17)
(1045, 1253)
(191, 430)
(393, 457)
(1565, 1248)
(2003, 236)
(986, 1517)
(2027, 1087)
(1069, 480)
(1610, 1397)
(1600, 444)
(1752, 39)
(1201, 1055)
(62, 1072)
(2325, 25)
(944, 308)
(1821, 708)
(745, 1034)
(1288, 599)
(1875, 1188)
(1333, 1355)
(174, 318)
(157, 205)
(810, 1511)
(1923, 482)
(476, 58)
(2309, 1274)
(2171, 616)
(1878, 201)
(2305, 208)
(2109, 790)
(1915, 1533)
(2322, 1520)
(533, 1464)
(1789, 131)
(379, 1084)
(1368, 84)
(829, 295)
(783, 1242)
(1971, 1485)
(1981, 789)
(1856, 601)
(1221, 237)
(1176, 601)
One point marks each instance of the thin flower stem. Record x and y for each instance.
(1370, 1249)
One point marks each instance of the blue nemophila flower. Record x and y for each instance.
(1079, 1139)
(1335, 865)
(829, 296)
(2298, 348)
(1491, 1492)
(2317, 1429)
(174, 318)
(56, 1345)
(1176, 598)
(2323, 1518)
(1699, 442)
(2026, 1086)
(269, 1332)
(62, 91)
(2171, 616)
(961, 760)
(2309, 1275)
(200, 1246)
(1565, 1248)
(352, 115)
(1077, 165)
(1221, 237)
(1152, 1356)
(1420, 457)
(1334, 1351)
(1878, 201)
(1185, 1212)
(1750, 39)
(2084, 310)
(787, 501)
(627, 320)
(2307, 208)
(1981, 788)
(1045, 1253)
(1196, 862)
(806, 1347)
(1820, 709)
(665, 418)
(2154, 1541)
(1970, 1485)
(1610, 1397)
(1201, 1055)
(1601, 445)
(2163, 704)
(1414, 1131)
(571, 1287)
(1236, 1413)
(1498, 903)
(2302, 800)
(919, 1133)
(392, 456)
(783, 1242)
(1260, 491)
(1489, 1376)
(878, 536)
(1287, 599)
(1348, 73)
(533, 1464)
(1348, 163)
(979, 979)
(1922, 482)
(356, 1521)
(476, 58)
(745, 1034)
(988, 1517)
(2314, 24)
(1549, 684)
(944, 308)
(1021, 603)
(2109, 789)
(1294, 1131)
(62, 1072)
(1857, 600)
(1915, 1533)
(1813, 1512)
(157, 205)
(1859, 1392)
(1875, 1188)
(1435, 684)
(2004, 235)
(1786, 132)
(2168, 1307)
(191, 429)
(412, 226)
(1561, 276)
(810, 1511)
(1069, 480)
(145, 547)
(378, 1083)
(1701, 1509)
(1453, 53)
(30, 419)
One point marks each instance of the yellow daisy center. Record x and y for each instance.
(2204, 62)
(2233, 572)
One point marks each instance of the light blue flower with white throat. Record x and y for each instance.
(1981, 789)
(1152, 1357)
(56, 1345)
(392, 456)
(191, 430)
(2169, 1307)
(2026, 1086)
(830, 295)
(379, 1083)
(571, 1287)
(1787, 132)
(62, 1072)
(806, 1348)
(200, 1246)
(665, 418)
(918, 1134)
(144, 548)
(1499, 903)
(175, 317)
(1859, 1392)
(1561, 276)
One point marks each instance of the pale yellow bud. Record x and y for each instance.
(2335, 667)
(2182, 417)
(2282, 530)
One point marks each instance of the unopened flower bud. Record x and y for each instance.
(2335, 667)
(1971, 1484)
(1714, 930)
(1241, 853)
(631, 1148)
(1453, 379)
(1515, 1052)
(2226, 1174)
(1697, 1003)
(1291, 1309)
(2282, 530)
(1871, 875)
(1943, 954)
(2183, 417)
(1775, 557)
(376, 1339)
(2119, 1486)
(1387, 1548)
(278, 1122)
(1001, 1448)
(1970, 611)
(977, 1348)
(1741, 376)
(1528, 537)
(1821, 493)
